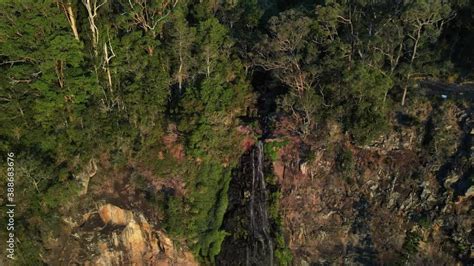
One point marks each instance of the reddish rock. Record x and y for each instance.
(247, 143)
(248, 140)
(115, 215)
(177, 151)
(279, 169)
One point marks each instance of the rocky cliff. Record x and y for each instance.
(115, 236)
(406, 198)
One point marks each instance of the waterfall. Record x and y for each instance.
(248, 212)
(260, 251)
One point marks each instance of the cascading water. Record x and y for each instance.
(260, 250)
(247, 221)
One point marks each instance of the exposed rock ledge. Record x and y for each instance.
(116, 236)
(137, 244)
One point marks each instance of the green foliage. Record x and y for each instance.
(368, 116)
(271, 148)
(366, 123)
(282, 252)
(45, 93)
(345, 161)
(290, 53)
(338, 67)
(59, 194)
(46, 83)
(174, 221)
(41, 198)
(425, 222)
(28, 251)
(199, 216)
(463, 247)
(66, 96)
(210, 108)
(345, 164)
(410, 246)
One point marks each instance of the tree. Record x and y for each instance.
(182, 42)
(365, 114)
(45, 87)
(423, 22)
(290, 52)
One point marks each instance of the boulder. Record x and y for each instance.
(114, 215)
(134, 242)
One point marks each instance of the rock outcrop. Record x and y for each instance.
(85, 176)
(111, 214)
(138, 243)
(404, 199)
(114, 236)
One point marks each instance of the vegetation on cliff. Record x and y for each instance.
(164, 88)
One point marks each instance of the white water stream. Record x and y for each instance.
(260, 252)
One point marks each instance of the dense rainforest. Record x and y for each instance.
(354, 118)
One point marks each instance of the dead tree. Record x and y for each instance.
(92, 6)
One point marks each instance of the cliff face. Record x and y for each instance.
(404, 198)
(115, 236)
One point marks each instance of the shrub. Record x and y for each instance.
(410, 246)
(271, 149)
(199, 215)
(345, 162)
